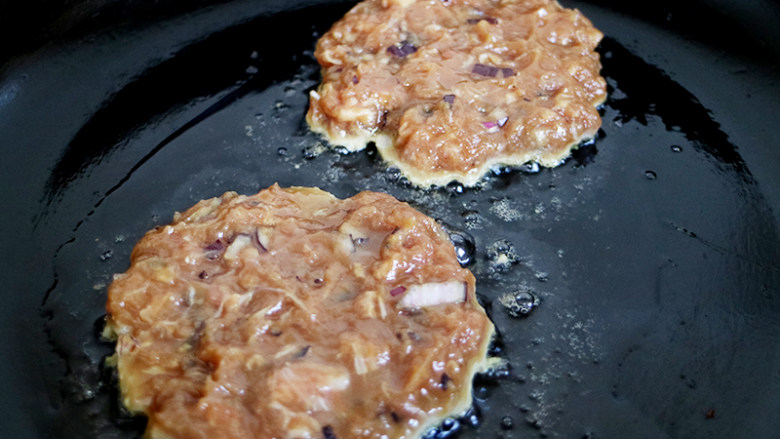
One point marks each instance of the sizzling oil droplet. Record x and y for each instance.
(676, 148)
(465, 246)
(530, 167)
(449, 428)
(507, 423)
(309, 153)
(501, 256)
(519, 303)
(651, 175)
(393, 174)
(472, 218)
(281, 150)
(106, 255)
(455, 188)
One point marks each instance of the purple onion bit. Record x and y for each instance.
(327, 432)
(490, 20)
(402, 49)
(494, 126)
(256, 240)
(450, 99)
(217, 245)
(484, 70)
(507, 72)
(214, 250)
(302, 353)
(397, 290)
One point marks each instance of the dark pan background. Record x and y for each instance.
(654, 251)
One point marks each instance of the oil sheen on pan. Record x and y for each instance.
(294, 314)
(447, 90)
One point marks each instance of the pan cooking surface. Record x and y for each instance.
(645, 269)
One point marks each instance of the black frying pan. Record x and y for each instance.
(653, 252)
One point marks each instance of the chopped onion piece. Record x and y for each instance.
(419, 296)
(450, 99)
(357, 236)
(217, 245)
(214, 250)
(484, 70)
(403, 49)
(241, 242)
(262, 238)
(490, 20)
(490, 127)
(397, 290)
(507, 72)
(501, 122)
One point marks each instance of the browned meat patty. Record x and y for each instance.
(293, 314)
(448, 89)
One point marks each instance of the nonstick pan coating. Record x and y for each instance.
(653, 252)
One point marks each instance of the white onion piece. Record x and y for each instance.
(241, 242)
(356, 235)
(418, 296)
(263, 235)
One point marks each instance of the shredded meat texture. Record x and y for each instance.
(293, 314)
(449, 89)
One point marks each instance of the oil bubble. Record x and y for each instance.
(496, 372)
(507, 423)
(530, 167)
(313, 151)
(393, 174)
(106, 255)
(470, 418)
(465, 246)
(519, 303)
(280, 106)
(505, 210)
(651, 175)
(501, 256)
(281, 151)
(472, 218)
(447, 429)
(676, 148)
(454, 188)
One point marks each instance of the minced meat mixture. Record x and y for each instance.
(449, 88)
(293, 314)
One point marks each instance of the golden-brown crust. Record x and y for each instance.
(449, 89)
(290, 311)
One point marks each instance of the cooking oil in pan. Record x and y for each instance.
(559, 254)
